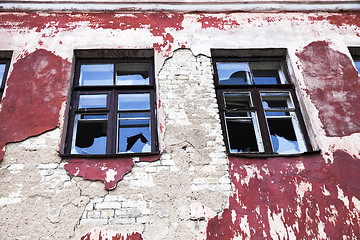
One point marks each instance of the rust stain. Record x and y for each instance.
(302, 192)
(35, 91)
(109, 171)
(333, 85)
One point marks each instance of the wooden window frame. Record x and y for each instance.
(254, 91)
(4, 77)
(111, 110)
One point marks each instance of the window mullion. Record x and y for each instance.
(112, 123)
(262, 121)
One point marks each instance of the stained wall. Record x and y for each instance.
(192, 190)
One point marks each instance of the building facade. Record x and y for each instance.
(180, 120)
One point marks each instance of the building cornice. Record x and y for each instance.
(182, 6)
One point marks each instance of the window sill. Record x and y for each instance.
(108, 156)
(267, 155)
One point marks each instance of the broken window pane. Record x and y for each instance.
(283, 137)
(93, 101)
(90, 134)
(137, 101)
(278, 100)
(134, 132)
(96, 75)
(132, 74)
(241, 134)
(266, 72)
(231, 73)
(236, 102)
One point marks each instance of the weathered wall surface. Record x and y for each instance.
(192, 190)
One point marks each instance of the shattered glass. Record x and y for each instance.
(134, 135)
(90, 134)
(233, 73)
(132, 74)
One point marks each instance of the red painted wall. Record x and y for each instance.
(308, 195)
(273, 189)
(36, 88)
(334, 87)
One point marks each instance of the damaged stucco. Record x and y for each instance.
(193, 190)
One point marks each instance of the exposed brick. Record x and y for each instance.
(108, 205)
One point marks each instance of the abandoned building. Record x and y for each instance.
(179, 119)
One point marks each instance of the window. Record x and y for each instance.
(259, 111)
(4, 68)
(112, 109)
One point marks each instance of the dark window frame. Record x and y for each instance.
(111, 109)
(254, 91)
(4, 77)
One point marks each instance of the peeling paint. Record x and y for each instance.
(333, 84)
(110, 171)
(293, 204)
(157, 23)
(96, 234)
(36, 88)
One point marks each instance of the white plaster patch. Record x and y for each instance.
(332, 214)
(342, 197)
(251, 172)
(244, 226)
(321, 230)
(233, 216)
(237, 176)
(277, 227)
(302, 188)
(77, 171)
(325, 191)
(110, 175)
(356, 203)
(300, 166)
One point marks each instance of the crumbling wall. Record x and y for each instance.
(193, 190)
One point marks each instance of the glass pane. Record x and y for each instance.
(233, 73)
(266, 72)
(92, 101)
(132, 74)
(276, 100)
(2, 71)
(283, 137)
(90, 134)
(96, 74)
(138, 101)
(277, 114)
(357, 65)
(241, 134)
(133, 115)
(134, 133)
